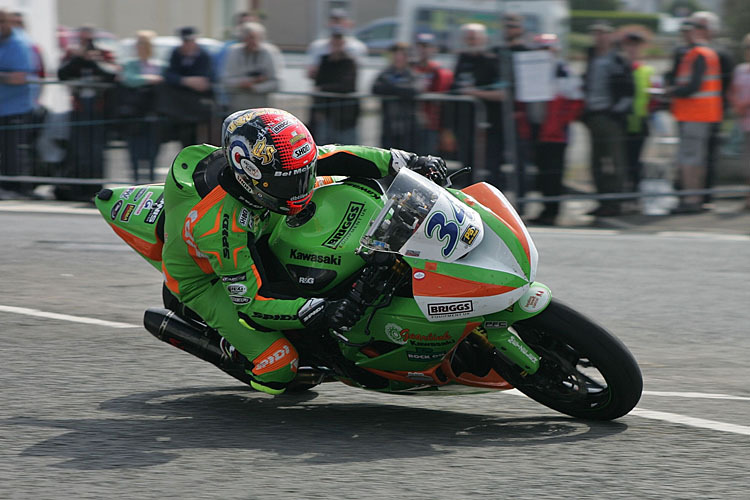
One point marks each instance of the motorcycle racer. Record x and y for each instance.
(219, 201)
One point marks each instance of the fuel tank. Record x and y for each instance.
(316, 247)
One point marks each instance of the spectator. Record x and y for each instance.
(187, 98)
(696, 104)
(608, 88)
(88, 67)
(398, 86)
(527, 116)
(637, 127)
(513, 32)
(340, 24)
(335, 118)
(551, 135)
(431, 77)
(140, 76)
(239, 19)
(739, 96)
(16, 101)
(252, 69)
(708, 24)
(17, 22)
(477, 75)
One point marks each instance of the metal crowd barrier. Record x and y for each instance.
(92, 144)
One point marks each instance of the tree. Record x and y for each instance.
(736, 21)
(594, 4)
(737, 18)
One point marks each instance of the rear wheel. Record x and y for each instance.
(585, 371)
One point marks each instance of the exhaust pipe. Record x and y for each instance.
(203, 343)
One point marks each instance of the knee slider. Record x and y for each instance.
(277, 364)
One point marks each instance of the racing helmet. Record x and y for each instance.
(273, 156)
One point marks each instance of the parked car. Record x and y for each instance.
(163, 47)
(379, 35)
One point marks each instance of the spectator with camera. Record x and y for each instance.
(91, 71)
(252, 69)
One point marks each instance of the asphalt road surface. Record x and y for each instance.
(92, 406)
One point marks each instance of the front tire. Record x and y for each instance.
(585, 371)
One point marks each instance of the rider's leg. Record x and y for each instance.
(273, 357)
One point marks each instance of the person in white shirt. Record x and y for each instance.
(252, 69)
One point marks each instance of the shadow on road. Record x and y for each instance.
(161, 423)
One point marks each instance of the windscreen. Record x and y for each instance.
(409, 200)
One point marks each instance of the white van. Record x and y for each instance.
(443, 18)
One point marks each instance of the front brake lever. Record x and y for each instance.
(461, 171)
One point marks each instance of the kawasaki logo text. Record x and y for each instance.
(311, 257)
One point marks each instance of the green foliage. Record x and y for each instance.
(578, 43)
(594, 4)
(736, 19)
(580, 20)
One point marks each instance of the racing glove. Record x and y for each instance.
(432, 167)
(339, 315)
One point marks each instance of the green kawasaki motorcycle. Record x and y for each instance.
(448, 280)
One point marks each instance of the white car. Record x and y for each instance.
(163, 47)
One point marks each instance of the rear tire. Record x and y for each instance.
(585, 371)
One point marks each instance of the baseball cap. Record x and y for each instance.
(634, 36)
(338, 13)
(187, 32)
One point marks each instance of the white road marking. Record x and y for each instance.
(696, 395)
(573, 232)
(46, 209)
(625, 234)
(703, 236)
(676, 418)
(65, 317)
(691, 421)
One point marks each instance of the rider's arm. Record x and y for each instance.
(222, 236)
(360, 161)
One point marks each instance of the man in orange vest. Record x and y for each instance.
(710, 24)
(696, 105)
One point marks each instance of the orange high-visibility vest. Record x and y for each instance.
(704, 105)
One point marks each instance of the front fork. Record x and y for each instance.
(509, 345)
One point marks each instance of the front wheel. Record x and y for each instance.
(585, 371)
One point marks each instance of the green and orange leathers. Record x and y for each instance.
(208, 265)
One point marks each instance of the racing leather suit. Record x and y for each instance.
(209, 258)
